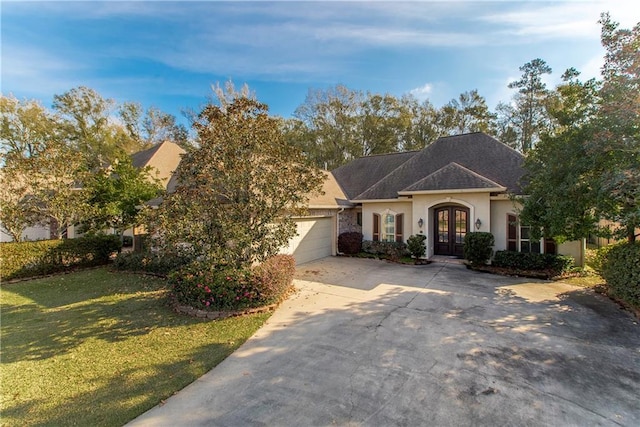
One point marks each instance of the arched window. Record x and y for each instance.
(388, 227)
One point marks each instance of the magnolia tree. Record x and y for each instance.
(238, 190)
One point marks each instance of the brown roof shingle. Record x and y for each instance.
(477, 152)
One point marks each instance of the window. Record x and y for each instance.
(359, 218)
(526, 243)
(388, 227)
(519, 238)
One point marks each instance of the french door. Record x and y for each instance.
(451, 224)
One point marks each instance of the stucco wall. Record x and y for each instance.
(499, 211)
(575, 248)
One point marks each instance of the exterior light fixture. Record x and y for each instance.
(478, 224)
(420, 223)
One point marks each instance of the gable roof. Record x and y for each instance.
(358, 175)
(332, 196)
(453, 177)
(163, 157)
(479, 153)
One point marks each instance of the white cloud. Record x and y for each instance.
(422, 93)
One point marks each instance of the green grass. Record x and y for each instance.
(99, 348)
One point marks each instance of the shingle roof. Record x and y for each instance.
(452, 177)
(476, 152)
(358, 175)
(141, 158)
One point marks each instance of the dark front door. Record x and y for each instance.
(451, 224)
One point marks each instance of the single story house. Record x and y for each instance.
(455, 185)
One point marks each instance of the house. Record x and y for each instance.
(163, 159)
(456, 185)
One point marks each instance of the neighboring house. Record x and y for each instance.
(456, 185)
(163, 159)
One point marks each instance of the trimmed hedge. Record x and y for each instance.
(29, 259)
(350, 242)
(392, 250)
(621, 270)
(478, 247)
(556, 264)
(208, 287)
(150, 262)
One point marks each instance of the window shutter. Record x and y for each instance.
(376, 227)
(399, 218)
(512, 233)
(550, 247)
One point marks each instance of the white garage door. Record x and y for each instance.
(314, 239)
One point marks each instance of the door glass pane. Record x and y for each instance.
(443, 226)
(461, 225)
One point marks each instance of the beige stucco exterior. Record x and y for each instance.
(492, 211)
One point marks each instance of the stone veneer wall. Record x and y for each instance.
(348, 221)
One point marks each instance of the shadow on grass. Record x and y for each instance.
(141, 391)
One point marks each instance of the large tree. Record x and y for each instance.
(527, 115)
(617, 140)
(87, 123)
(238, 189)
(588, 166)
(562, 176)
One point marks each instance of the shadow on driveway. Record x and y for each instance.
(366, 342)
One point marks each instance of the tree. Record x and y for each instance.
(58, 196)
(17, 211)
(116, 194)
(423, 128)
(238, 189)
(471, 113)
(25, 130)
(617, 140)
(88, 126)
(330, 119)
(588, 167)
(562, 175)
(528, 114)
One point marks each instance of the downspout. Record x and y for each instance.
(338, 229)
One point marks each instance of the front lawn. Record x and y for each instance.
(100, 348)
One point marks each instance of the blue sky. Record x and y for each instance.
(168, 54)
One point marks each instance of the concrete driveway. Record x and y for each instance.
(370, 343)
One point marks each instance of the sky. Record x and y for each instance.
(169, 54)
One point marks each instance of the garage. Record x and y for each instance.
(314, 239)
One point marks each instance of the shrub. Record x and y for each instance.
(554, 264)
(150, 262)
(415, 245)
(597, 258)
(621, 270)
(391, 250)
(350, 242)
(207, 287)
(27, 259)
(478, 247)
